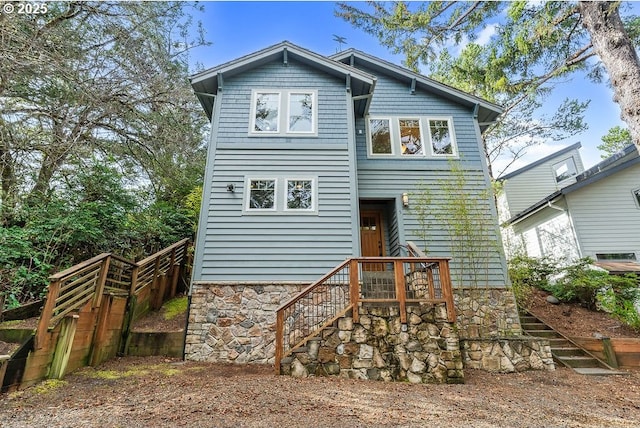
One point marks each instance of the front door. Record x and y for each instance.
(371, 238)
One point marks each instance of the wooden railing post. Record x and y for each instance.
(102, 278)
(354, 290)
(279, 339)
(401, 291)
(47, 313)
(447, 290)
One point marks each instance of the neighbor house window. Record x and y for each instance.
(636, 194)
(380, 134)
(441, 136)
(410, 136)
(284, 112)
(299, 194)
(565, 170)
(262, 195)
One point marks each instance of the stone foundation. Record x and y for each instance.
(230, 322)
(379, 347)
(235, 322)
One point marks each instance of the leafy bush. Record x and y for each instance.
(527, 273)
(620, 298)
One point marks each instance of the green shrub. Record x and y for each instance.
(619, 298)
(527, 273)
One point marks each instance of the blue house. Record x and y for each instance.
(314, 160)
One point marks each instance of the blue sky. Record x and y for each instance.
(238, 28)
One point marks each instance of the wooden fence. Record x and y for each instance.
(89, 310)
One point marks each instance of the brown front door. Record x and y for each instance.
(371, 238)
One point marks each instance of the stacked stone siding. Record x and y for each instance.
(379, 347)
(230, 322)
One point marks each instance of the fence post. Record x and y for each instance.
(354, 290)
(47, 312)
(401, 292)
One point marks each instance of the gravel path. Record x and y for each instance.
(157, 392)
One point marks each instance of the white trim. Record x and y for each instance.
(425, 137)
(452, 136)
(284, 97)
(314, 111)
(391, 136)
(423, 140)
(247, 195)
(314, 196)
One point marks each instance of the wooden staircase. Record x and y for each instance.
(564, 350)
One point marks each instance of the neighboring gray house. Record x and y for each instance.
(313, 160)
(556, 208)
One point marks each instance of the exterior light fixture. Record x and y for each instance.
(405, 200)
(231, 187)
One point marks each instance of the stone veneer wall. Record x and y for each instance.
(379, 347)
(235, 323)
(230, 322)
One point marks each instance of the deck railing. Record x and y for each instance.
(70, 289)
(360, 280)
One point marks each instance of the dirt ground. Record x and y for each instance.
(160, 392)
(575, 321)
(163, 392)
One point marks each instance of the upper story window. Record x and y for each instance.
(284, 112)
(565, 170)
(405, 136)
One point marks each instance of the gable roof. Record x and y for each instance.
(207, 83)
(540, 161)
(487, 112)
(620, 161)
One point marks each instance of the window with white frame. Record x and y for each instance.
(261, 195)
(441, 136)
(565, 170)
(405, 136)
(284, 112)
(299, 195)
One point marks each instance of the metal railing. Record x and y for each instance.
(401, 281)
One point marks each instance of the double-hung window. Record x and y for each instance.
(284, 113)
(406, 136)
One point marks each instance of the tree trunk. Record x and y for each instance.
(612, 44)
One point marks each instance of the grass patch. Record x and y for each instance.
(175, 307)
(49, 385)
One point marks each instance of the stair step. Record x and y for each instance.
(558, 342)
(567, 351)
(528, 319)
(534, 326)
(544, 333)
(580, 361)
(598, 371)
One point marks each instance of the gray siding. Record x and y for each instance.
(389, 178)
(537, 183)
(239, 246)
(605, 216)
